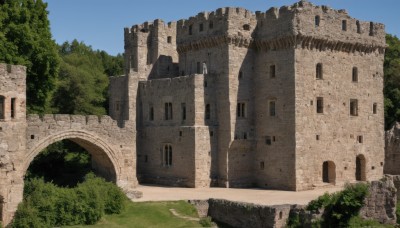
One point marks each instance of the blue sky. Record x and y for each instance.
(100, 23)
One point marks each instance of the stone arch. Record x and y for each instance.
(104, 157)
(360, 168)
(329, 172)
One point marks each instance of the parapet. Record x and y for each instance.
(12, 79)
(66, 119)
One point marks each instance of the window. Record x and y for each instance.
(151, 113)
(354, 107)
(320, 105)
(205, 83)
(371, 28)
(360, 139)
(169, 39)
(344, 25)
(2, 99)
(146, 158)
(117, 106)
(211, 133)
(211, 25)
(241, 110)
(246, 27)
(375, 108)
(201, 27)
(208, 112)
(317, 137)
(168, 111)
(272, 111)
(198, 68)
(358, 27)
(244, 135)
(180, 133)
(190, 29)
(268, 140)
(272, 69)
(319, 71)
(355, 74)
(240, 74)
(262, 165)
(183, 110)
(317, 20)
(13, 107)
(167, 153)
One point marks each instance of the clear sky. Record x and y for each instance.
(100, 23)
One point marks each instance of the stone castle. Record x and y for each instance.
(289, 99)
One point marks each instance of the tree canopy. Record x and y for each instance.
(25, 39)
(392, 80)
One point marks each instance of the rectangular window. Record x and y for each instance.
(183, 109)
(344, 25)
(190, 29)
(262, 165)
(167, 153)
(13, 107)
(317, 21)
(2, 110)
(272, 71)
(198, 68)
(151, 113)
(354, 107)
(208, 112)
(211, 25)
(358, 26)
(244, 135)
(355, 74)
(241, 110)
(240, 74)
(320, 105)
(272, 111)
(319, 72)
(375, 108)
(360, 139)
(268, 140)
(169, 39)
(201, 28)
(371, 28)
(146, 158)
(168, 111)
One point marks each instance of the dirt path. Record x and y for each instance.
(257, 196)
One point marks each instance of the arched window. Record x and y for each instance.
(2, 109)
(167, 154)
(328, 172)
(360, 168)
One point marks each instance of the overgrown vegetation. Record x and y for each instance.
(46, 205)
(339, 209)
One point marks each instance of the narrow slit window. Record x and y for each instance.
(355, 74)
(2, 106)
(317, 20)
(319, 71)
(375, 108)
(262, 165)
(320, 105)
(272, 71)
(168, 111)
(13, 107)
(354, 107)
(344, 25)
(198, 68)
(183, 109)
(240, 74)
(167, 155)
(151, 113)
(371, 28)
(190, 29)
(272, 110)
(208, 112)
(201, 27)
(241, 110)
(358, 27)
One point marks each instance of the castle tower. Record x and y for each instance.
(12, 136)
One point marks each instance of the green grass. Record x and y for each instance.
(149, 214)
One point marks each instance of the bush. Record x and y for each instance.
(340, 207)
(206, 222)
(46, 205)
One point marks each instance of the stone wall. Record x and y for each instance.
(392, 150)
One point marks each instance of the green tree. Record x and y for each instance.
(25, 39)
(392, 80)
(82, 84)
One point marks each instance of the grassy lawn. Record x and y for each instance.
(149, 214)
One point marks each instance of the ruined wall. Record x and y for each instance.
(392, 150)
(12, 137)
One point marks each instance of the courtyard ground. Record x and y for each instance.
(257, 196)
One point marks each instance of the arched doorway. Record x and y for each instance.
(360, 168)
(328, 172)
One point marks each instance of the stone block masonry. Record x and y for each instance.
(290, 98)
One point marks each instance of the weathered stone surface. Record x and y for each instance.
(392, 150)
(265, 63)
